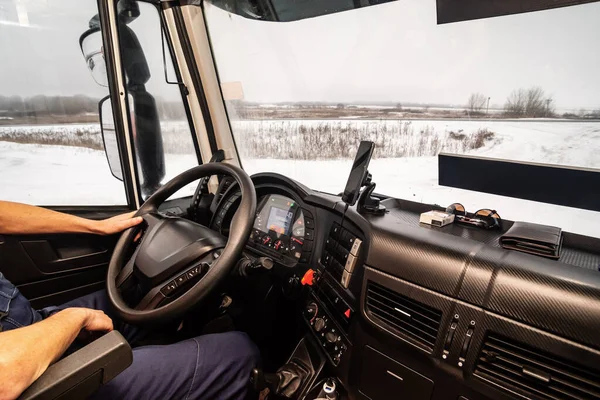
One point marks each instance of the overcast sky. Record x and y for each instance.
(391, 52)
(397, 52)
(40, 54)
(39, 47)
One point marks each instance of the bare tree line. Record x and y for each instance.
(44, 105)
(17, 106)
(532, 102)
(477, 102)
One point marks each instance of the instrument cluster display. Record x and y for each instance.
(279, 226)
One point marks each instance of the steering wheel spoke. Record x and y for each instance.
(173, 288)
(152, 219)
(125, 277)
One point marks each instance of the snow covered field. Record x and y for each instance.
(62, 175)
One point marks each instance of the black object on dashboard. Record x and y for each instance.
(359, 174)
(541, 240)
(483, 218)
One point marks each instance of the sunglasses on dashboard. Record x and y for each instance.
(484, 218)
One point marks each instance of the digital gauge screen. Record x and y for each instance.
(280, 220)
(279, 226)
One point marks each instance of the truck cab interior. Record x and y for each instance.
(347, 292)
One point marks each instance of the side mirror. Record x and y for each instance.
(90, 43)
(109, 137)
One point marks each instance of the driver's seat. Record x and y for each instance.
(80, 374)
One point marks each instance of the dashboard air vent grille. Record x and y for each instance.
(407, 317)
(510, 364)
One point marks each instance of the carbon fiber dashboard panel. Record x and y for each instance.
(552, 296)
(468, 265)
(569, 255)
(427, 258)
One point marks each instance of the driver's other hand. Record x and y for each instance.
(94, 324)
(96, 321)
(117, 224)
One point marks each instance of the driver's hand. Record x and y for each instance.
(94, 324)
(117, 224)
(96, 320)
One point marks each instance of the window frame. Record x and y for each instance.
(119, 95)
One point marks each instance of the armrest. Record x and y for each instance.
(83, 372)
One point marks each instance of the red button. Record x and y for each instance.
(308, 278)
(347, 313)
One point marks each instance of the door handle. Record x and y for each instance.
(51, 260)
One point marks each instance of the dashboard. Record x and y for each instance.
(430, 313)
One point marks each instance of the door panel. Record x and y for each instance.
(65, 255)
(52, 269)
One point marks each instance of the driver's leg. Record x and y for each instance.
(206, 367)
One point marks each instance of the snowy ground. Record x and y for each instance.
(65, 175)
(61, 175)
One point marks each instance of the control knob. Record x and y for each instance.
(310, 311)
(332, 337)
(320, 324)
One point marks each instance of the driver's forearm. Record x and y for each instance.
(27, 352)
(16, 218)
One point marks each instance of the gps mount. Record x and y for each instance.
(359, 178)
(367, 204)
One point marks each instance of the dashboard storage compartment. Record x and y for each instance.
(382, 378)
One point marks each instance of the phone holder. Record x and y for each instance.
(367, 204)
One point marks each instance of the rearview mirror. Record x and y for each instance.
(109, 137)
(93, 52)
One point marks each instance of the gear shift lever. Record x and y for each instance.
(285, 382)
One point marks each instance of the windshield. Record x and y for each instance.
(523, 87)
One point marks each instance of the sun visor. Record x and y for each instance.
(464, 10)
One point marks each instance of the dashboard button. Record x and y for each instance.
(356, 247)
(169, 288)
(347, 239)
(346, 279)
(309, 234)
(326, 259)
(350, 263)
(181, 279)
(342, 255)
(309, 223)
(335, 231)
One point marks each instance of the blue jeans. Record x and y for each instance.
(205, 367)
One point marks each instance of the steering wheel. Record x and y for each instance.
(177, 261)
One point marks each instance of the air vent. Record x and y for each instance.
(406, 317)
(511, 365)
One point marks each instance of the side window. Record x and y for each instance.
(164, 145)
(51, 150)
